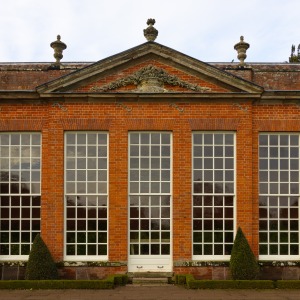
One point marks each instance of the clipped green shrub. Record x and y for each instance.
(243, 263)
(40, 264)
(229, 284)
(88, 284)
(120, 279)
(108, 283)
(288, 284)
(180, 279)
(191, 282)
(56, 284)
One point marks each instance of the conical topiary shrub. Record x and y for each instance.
(40, 264)
(243, 263)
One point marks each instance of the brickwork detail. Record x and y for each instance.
(181, 111)
(144, 116)
(21, 125)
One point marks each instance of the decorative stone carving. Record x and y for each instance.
(150, 32)
(150, 79)
(58, 47)
(241, 49)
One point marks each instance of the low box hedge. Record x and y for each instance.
(180, 279)
(118, 279)
(193, 283)
(288, 284)
(230, 284)
(109, 283)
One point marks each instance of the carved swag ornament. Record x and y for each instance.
(149, 79)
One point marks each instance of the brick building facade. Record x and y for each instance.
(149, 160)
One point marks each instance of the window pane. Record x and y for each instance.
(149, 193)
(279, 180)
(86, 194)
(213, 212)
(20, 165)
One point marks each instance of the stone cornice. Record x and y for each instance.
(157, 52)
(126, 95)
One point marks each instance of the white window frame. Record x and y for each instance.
(201, 242)
(97, 194)
(139, 194)
(25, 159)
(275, 196)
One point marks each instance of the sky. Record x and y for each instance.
(95, 29)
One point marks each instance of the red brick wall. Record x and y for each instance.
(211, 114)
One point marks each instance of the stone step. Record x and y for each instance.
(150, 278)
(150, 281)
(150, 274)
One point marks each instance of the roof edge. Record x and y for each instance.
(139, 51)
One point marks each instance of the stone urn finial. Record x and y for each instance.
(58, 47)
(241, 49)
(150, 32)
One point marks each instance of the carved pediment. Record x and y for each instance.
(149, 79)
(155, 75)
